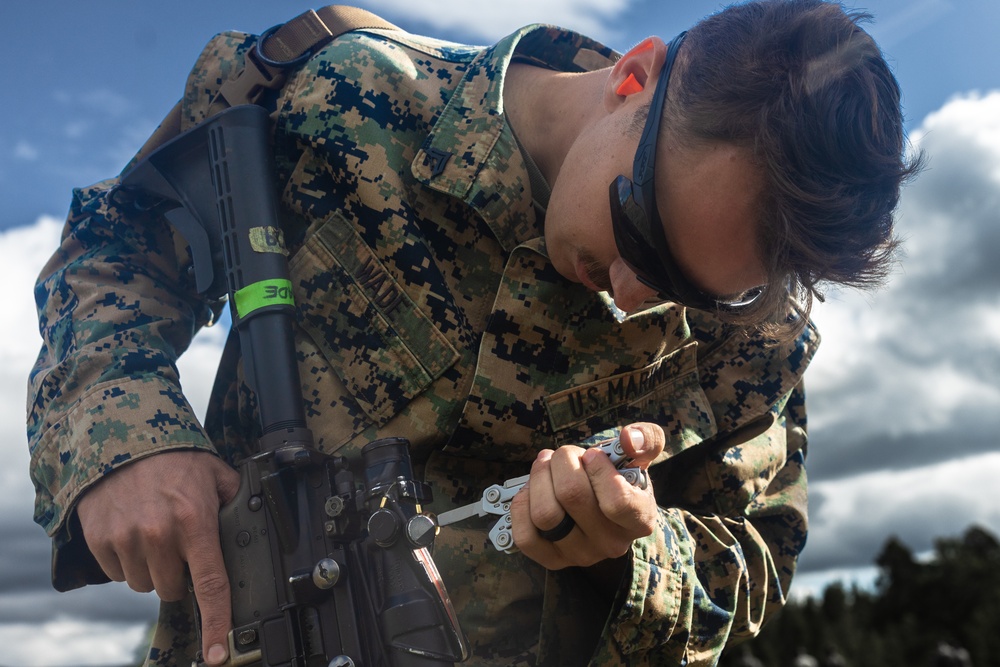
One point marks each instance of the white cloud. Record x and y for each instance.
(970, 117)
(100, 130)
(197, 366)
(77, 128)
(911, 359)
(492, 20)
(69, 642)
(892, 28)
(25, 151)
(812, 584)
(107, 102)
(903, 394)
(924, 351)
(99, 102)
(851, 518)
(25, 250)
(881, 369)
(990, 318)
(954, 206)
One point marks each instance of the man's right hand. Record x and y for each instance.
(153, 520)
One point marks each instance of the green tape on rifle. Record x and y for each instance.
(257, 295)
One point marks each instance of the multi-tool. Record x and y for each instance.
(496, 499)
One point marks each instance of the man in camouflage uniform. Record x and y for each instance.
(444, 295)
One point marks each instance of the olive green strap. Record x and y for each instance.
(268, 62)
(282, 48)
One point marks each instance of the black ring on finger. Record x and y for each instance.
(564, 528)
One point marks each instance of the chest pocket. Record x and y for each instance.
(382, 347)
(666, 392)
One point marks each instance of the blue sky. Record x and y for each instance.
(85, 80)
(903, 395)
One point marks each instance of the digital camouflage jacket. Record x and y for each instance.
(428, 309)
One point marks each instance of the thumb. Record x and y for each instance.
(227, 483)
(643, 442)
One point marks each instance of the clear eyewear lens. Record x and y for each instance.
(743, 300)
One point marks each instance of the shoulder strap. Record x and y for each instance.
(278, 50)
(286, 46)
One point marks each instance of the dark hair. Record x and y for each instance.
(810, 95)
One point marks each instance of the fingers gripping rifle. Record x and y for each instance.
(328, 565)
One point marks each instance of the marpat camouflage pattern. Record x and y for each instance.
(428, 309)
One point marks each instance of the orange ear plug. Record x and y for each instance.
(629, 86)
(644, 45)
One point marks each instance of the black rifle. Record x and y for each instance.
(329, 565)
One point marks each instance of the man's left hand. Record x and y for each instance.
(609, 513)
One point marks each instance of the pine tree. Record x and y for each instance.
(916, 608)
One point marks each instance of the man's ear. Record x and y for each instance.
(634, 71)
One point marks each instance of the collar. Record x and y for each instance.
(471, 152)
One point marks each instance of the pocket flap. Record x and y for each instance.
(384, 349)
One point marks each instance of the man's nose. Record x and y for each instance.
(629, 293)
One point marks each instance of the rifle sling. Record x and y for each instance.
(268, 62)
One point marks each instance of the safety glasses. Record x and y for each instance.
(642, 243)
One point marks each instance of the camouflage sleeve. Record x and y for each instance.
(722, 560)
(115, 311)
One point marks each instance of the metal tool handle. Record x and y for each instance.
(496, 498)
